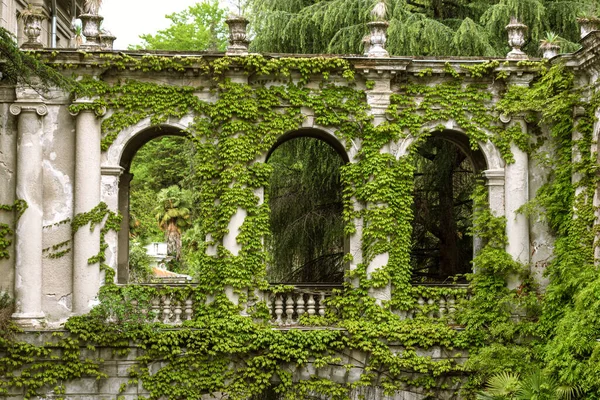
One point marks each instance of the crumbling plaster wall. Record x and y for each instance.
(58, 169)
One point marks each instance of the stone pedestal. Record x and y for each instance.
(86, 241)
(28, 233)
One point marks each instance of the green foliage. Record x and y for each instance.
(6, 231)
(422, 27)
(200, 27)
(26, 68)
(139, 263)
(305, 197)
(220, 350)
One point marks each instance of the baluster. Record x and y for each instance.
(156, 308)
(188, 310)
(177, 313)
(442, 310)
(300, 305)
(269, 301)
(289, 309)
(431, 312)
(421, 303)
(311, 304)
(166, 310)
(451, 309)
(278, 309)
(322, 305)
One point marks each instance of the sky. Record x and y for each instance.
(127, 19)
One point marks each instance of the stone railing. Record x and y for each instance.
(436, 301)
(286, 308)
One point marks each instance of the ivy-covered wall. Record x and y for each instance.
(525, 122)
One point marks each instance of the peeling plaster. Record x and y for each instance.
(59, 209)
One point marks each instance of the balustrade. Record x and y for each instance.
(439, 302)
(286, 308)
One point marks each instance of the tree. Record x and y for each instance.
(305, 196)
(160, 163)
(199, 27)
(173, 214)
(417, 27)
(443, 209)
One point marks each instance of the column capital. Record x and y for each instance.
(26, 107)
(495, 177)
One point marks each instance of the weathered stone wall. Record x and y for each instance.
(119, 385)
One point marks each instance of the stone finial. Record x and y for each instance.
(238, 38)
(588, 24)
(375, 41)
(516, 39)
(107, 39)
(91, 30)
(32, 18)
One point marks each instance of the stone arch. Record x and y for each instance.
(329, 137)
(485, 157)
(313, 132)
(116, 163)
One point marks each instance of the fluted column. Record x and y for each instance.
(28, 235)
(86, 242)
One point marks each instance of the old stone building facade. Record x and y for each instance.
(54, 157)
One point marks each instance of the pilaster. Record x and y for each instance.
(28, 232)
(123, 234)
(110, 196)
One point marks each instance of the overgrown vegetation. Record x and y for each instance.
(220, 350)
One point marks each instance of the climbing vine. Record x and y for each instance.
(221, 350)
(6, 231)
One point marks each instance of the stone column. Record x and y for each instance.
(516, 195)
(28, 233)
(86, 242)
(123, 245)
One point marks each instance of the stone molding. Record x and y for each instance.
(18, 108)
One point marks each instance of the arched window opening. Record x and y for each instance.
(442, 246)
(159, 208)
(305, 197)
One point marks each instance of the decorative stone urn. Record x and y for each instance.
(588, 24)
(238, 38)
(33, 28)
(91, 30)
(516, 39)
(377, 39)
(550, 50)
(107, 40)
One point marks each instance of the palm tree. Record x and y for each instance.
(536, 385)
(173, 216)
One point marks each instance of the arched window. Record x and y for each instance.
(305, 197)
(445, 177)
(157, 164)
